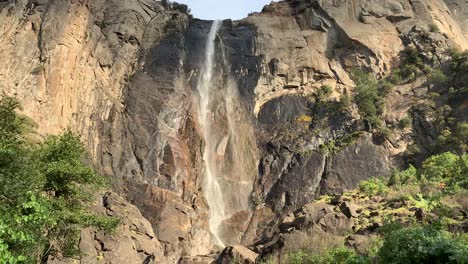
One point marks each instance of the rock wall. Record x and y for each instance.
(122, 75)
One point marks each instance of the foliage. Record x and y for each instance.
(438, 76)
(334, 146)
(381, 134)
(304, 119)
(403, 177)
(446, 167)
(340, 255)
(434, 28)
(373, 186)
(345, 103)
(298, 257)
(427, 203)
(405, 122)
(459, 64)
(410, 66)
(426, 244)
(325, 91)
(368, 98)
(454, 138)
(43, 202)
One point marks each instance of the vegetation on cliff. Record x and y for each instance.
(415, 216)
(44, 192)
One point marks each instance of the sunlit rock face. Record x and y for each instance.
(220, 168)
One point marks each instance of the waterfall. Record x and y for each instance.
(230, 150)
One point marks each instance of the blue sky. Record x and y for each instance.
(223, 9)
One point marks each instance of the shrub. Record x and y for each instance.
(298, 257)
(396, 78)
(427, 244)
(382, 134)
(403, 177)
(434, 28)
(438, 76)
(373, 186)
(367, 98)
(411, 57)
(304, 119)
(43, 202)
(339, 255)
(409, 71)
(325, 91)
(344, 104)
(441, 167)
(404, 123)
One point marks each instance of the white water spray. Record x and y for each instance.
(229, 154)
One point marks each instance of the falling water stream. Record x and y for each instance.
(230, 150)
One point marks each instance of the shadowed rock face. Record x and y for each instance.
(123, 75)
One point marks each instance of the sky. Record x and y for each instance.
(223, 9)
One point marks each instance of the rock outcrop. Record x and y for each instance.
(123, 74)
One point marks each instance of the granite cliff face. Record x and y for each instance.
(123, 74)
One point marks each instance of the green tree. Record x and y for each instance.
(441, 167)
(368, 99)
(43, 197)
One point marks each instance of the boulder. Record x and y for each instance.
(133, 242)
(237, 254)
(419, 214)
(348, 209)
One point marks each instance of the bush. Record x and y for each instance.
(396, 77)
(382, 134)
(438, 76)
(403, 177)
(340, 255)
(373, 186)
(304, 119)
(427, 244)
(434, 28)
(441, 167)
(344, 104)
(404, 123)
(298, 257)
(367, 98)
(325, 91)
(43, 202)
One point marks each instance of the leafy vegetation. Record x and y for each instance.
(43, 197)
(373, 186)
(414, 244)
(341, 255)
(368, 98)
(459, 63)
(334, 146)
(440, 178)
(404, 123)
(423, 244)
(434, 28)
(325, 91)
